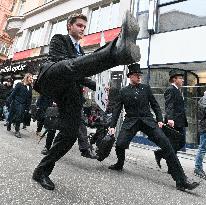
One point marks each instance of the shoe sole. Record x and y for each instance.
(130, 30)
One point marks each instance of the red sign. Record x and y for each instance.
(95, 38)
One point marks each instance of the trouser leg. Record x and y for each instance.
(120, 152)
(40, 124)
(157, 136)
(17, 126)
(62, 144)
(50, 138)
(82, 138)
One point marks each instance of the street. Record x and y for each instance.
(83, 181)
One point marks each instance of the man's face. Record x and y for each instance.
(178, 81)
(135, 78)
(30, 80)
(76, 30)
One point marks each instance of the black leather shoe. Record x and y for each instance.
(88, 154)
(44, 181)
(127, 51)
(17, 134)
(44, 151)
(187, 185)
(158, 159)
(116, 167)
(8, 127)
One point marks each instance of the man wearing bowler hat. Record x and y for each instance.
(137, 99)
(175, 115)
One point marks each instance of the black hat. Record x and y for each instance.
(176, 72)
(134, 68)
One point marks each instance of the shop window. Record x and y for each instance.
(104, 17)
(59, 27)
(182, 15)
(34, 38)
(17, 45)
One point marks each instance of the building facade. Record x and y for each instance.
(6, 7)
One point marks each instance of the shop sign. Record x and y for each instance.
(12, 68)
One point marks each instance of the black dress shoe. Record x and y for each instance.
(8, 127)
(116, 167)
(127, 51)
(17, 134)
(44, 181)
(187, 185)
(158, 159)
(44, 151)
(88, 154)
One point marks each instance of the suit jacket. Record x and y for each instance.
(62, 48)
(174, 107)
(137, 102)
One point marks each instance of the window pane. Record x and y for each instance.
(115, 15)
(103, 23)
(143, 5)
(182, 15)
(94, 21)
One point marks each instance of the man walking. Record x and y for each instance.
(175, 115)
(63, 76)
(137, 99)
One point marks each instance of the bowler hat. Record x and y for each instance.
(134, 68)
(176, 72)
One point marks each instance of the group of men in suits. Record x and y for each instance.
(62, 78)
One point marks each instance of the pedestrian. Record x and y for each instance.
(5, 90)
(20, 102)
(42, 103)
(137, 99)
(62, 78)
(175, 115)
(202, 132)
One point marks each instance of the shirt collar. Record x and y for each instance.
(74, 41)
(134, 86)
(175, 85)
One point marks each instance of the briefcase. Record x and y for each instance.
(172, 134)
(52, 119)
(104, 146)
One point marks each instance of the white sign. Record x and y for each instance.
(102, 88)
(10, 68)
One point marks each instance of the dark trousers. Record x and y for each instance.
(157, 136)
(83, 138)
(177, 144)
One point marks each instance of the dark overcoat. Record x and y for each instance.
(175, 107)
(137, 101)
(20, 101)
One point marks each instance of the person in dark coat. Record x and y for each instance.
(20, 102)
(175, 115)
(137, 100)
(201, 115)
(43, 102)
(63, 77)
(5, 90)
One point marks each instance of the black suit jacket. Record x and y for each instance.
(137, 102)
(174, 107)
(62, 48)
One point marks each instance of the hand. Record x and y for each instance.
(111, 131)
(171, 123)
(160, 124)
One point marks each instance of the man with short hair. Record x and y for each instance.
(137, 99)
(175, 115)
(64, 75)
